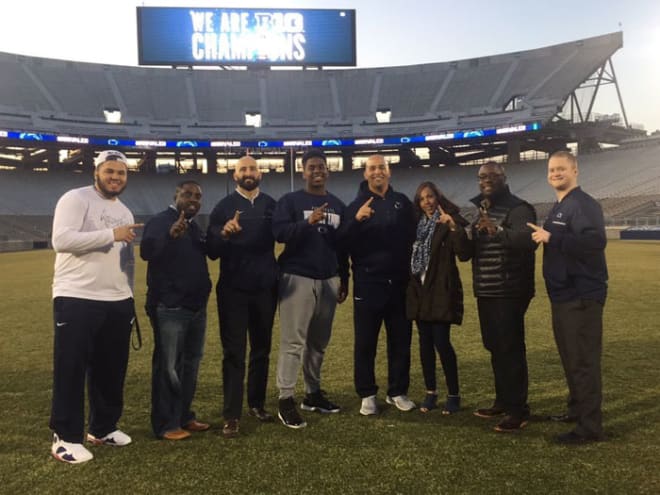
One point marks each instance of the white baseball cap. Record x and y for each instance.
(110, 156)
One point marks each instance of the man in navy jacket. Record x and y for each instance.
(575, 272)
(379, 233)
(240, 234)
(178, 289)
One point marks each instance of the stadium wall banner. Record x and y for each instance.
(245, 36)
(419, 140)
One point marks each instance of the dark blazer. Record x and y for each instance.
(440, 297)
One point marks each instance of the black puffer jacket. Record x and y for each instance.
(503, 264)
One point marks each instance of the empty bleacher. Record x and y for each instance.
(57, 93)
(625, 180)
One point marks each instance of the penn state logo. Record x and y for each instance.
(560, 214)
(322, 229)
(398, 205)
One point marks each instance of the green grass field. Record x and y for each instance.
(345, 453)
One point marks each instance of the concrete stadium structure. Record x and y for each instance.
(67, 99)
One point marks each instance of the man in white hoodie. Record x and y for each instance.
(93, 310)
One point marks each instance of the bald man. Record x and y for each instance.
(379, 232)
(503, 283)
(575, 272)
(240, 234)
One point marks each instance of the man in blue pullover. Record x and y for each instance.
(178, 289)
(240, 234)
(379, 232)
(575, 272)
(313, 279)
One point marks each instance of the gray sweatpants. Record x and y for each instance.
(307, 308)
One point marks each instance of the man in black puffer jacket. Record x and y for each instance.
(503, 280)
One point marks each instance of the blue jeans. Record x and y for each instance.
(178, 349)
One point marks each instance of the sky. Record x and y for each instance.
(389, 32)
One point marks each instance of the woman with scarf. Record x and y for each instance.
(435, 294)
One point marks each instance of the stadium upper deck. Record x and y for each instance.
(64, 97)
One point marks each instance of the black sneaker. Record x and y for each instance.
(489, 412)
(317, 401)
(288, 414)
(511, 424)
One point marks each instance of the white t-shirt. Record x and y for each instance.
(89, 263)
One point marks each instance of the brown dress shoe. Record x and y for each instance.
(261, 414)
(230, 428)
(194, 425)
(176, 434)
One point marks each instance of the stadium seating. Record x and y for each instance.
(198, 104)
(625, 180)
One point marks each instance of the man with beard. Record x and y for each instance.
(178, 289)
(314, 279)
(503, 283)
(240, 234)
(93, 310)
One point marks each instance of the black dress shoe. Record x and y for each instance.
(230, 428)
(562, 418)
(261, 414)
(489, 412)
(573, 438)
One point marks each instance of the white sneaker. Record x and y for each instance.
(369, 406)
(402, 402)
(116, 438)
(73, 453)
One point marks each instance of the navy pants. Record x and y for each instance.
(245, 315)
(91, 344)
(373, 305)
(578, 329)
(434, 336)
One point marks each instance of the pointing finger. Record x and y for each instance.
(534, 227)
(182, 216)
(237, 214)
(136, 226)
(442, 212)
(369, 201)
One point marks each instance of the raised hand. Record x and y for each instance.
(365, 212)
(485, 224)
(539, 234)
(179, 227)
(318, 214)
(232, 226)
(126, 233)
(446, 218)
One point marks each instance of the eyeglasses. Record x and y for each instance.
(483, 177)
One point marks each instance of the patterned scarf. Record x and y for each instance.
(421, 252)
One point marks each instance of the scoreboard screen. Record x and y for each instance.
(241, 36)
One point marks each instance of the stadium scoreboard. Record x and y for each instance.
(245, 36)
